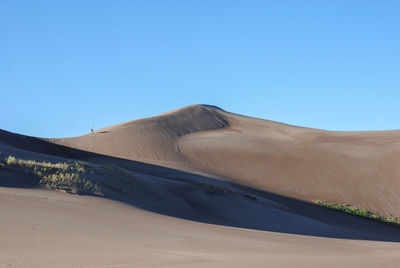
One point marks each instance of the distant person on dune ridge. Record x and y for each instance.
(92, 130)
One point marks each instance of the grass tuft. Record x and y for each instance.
(358, 212)
(68, 176)
(11, 161)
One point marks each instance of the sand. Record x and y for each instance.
(49, 229)
(211, 189)
(360, 168)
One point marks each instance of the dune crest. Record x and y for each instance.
(204, 165)
(151, 139)
(359, 168)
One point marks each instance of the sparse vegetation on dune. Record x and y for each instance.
(46, 166)
(84, 178)
(69, 176)
(76, 176)
(359, 212)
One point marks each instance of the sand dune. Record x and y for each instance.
(150, 139)
(360, 168)
(239, 191)
(49, 229)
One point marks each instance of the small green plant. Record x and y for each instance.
(11, 160)
(358, 212)
(81, 166)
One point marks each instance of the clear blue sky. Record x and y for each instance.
(68, 65)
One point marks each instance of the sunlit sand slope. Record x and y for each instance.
(49, 229)
(359, 168)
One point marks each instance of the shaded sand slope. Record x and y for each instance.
(49, 229)
(360, 168)
(181, 194)
(218, 170)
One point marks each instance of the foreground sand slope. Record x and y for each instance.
(360, 168)
(144, 165)
(175, 193)
(50, 229)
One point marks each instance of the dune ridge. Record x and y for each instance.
(194, 186)
(149, 139)
(359, 168)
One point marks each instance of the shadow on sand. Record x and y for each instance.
(204, 199)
